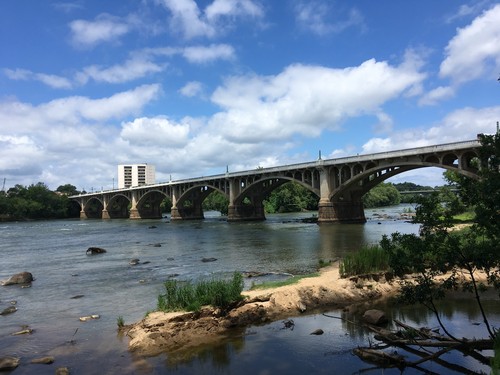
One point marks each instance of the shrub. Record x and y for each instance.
(191, 297)
(369, 259)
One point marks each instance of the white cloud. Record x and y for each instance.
(224, 8)
(460, 125)
(156, 132)
(132, 69)
(436, 95)
(307, 99)
(317, 16)
(203, 54)
(105, 28)
(475, 49)
(51, 80)
(191, 89)
(191, 22)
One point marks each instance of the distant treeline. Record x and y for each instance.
(36, 202)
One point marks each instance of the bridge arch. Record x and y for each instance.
(148, 204)
(248, 203)
(117, 207)
(188, 205)
(92, 208)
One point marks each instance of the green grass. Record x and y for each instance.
(277, 284)
(120, 322)
(465, 217)
(369, 259)
(185, 296)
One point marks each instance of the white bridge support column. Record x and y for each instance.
(105, 213)
(134, 212)
(346, 209)
(238, 211)
(83, 214)
(174, 211)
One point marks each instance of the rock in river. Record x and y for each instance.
(8, 310)
(8, 363)
(95, 250)
(19, 278)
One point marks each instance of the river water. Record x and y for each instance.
(107, 285)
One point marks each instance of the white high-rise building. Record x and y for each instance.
(130, 175)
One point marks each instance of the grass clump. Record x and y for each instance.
(186, 296)
(120, 322)
(368, 260)
(277, 284)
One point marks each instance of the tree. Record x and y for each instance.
(384, 194)
(67, 189)
(447, 254)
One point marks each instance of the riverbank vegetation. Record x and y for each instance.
(188, 296)
(36, 202)
(442, 261)
(369, 259)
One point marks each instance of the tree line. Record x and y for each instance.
(36, 202)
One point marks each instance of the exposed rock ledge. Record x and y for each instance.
(173, 332)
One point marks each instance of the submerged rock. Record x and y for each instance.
(8, 363)
(319, 331)
(375, 317)
(95, 250)
(8, 310)
(19, 278)
(43, 360)
(206, 260)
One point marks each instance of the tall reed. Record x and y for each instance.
(368, 259)
(191, 297)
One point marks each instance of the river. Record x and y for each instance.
(107, 285)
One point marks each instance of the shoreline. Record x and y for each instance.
(176, 332)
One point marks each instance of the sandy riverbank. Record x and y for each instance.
(171, 332)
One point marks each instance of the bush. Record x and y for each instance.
(368, 260)
(191, 297)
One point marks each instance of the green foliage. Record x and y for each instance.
(216, 201)
(67, 189)
(384, 194)
(291, 197)
(495, 361)
(191, 297)
(34, 202)
(440, 252)
(120, 322)
(369, 259)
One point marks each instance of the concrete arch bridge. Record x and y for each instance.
(338, 183)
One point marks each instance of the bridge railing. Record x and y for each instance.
(312, 164)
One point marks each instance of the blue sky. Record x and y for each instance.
(194, 87)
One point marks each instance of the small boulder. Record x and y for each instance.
(206, 260)
(134, 262)
(19, 278)
(8, 310)
(62, 371)
(375, 317)
(43, 360)
(8, 363)
(95, 250)
(318, 332)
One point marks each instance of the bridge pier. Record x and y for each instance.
(341, 212)
(83, 214)
(245, 212)
(186, 213)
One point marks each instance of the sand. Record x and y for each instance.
(163, 332)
